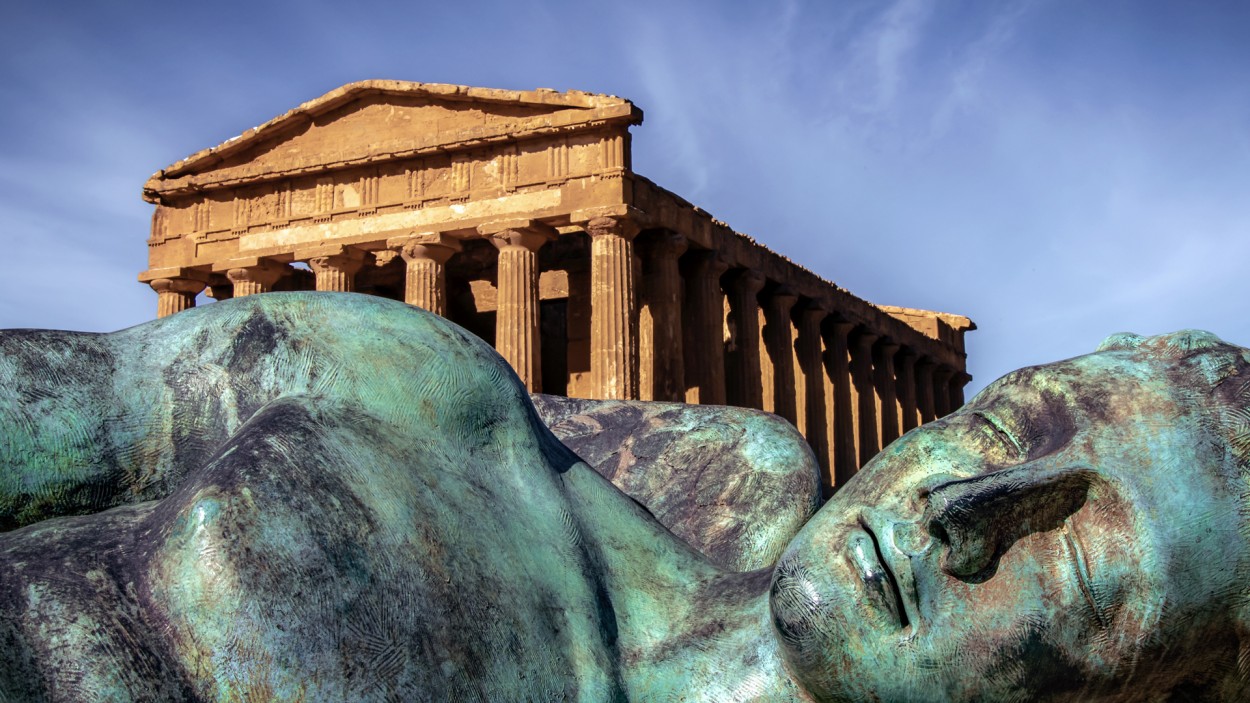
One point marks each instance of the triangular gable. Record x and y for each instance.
(375, 121)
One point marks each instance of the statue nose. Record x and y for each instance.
(978, 519)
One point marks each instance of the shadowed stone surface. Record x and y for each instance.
(686, 464)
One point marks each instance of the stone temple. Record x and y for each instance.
(517, 215)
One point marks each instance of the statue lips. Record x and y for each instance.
(873, 569)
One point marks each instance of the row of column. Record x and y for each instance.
(614, 327)
(675, 325)
(732, 337)
(849, 391)
(334, 272)
(614, 314)
(891, 388)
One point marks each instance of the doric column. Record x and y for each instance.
(425, 257)
(661, 370)
(744, 387)
(704, 328)
(613, 311)
(941, 390)
(845, 400)
(337, 271)
(887, 390)
(925, 407)
(866, 411)
(909, 418)
(249, 280)
(175, 294)
(810, 347)
(779, 343)
(956, 397)
(516, 317)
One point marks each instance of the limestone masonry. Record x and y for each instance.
(518, 216)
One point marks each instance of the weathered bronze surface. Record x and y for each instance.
(326, 497)
(735, 484)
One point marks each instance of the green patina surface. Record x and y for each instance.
(327, 497)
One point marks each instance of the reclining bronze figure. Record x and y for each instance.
(333, 497)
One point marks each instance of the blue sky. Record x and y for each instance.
(1057, 171)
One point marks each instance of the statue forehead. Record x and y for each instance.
(1110, 371)
(1107, 388)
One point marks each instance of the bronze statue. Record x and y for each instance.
(337, 497)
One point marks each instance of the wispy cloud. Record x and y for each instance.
(888, 46)
(965, 79)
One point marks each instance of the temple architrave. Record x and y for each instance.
(518, 216)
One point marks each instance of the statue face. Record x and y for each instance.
(1072, 533)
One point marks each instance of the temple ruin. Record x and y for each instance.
(517, 215)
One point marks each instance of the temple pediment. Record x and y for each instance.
(375, 121)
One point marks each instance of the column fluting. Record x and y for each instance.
(337, 272)
(745, 388)
(613, 313)
(845, 401)
(779, 344)
(662, 367)
(425, 279)
(250, 280)
(810, 347)
(517, 314)
(175, 294)
(886, 385)
(704, 328)
(866, 411)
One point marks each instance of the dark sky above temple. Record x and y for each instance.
(1056, 170)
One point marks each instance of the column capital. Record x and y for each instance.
(749, 282)
(333, 258)
(174, 295)
(666, 244)
(382, 257)
(434, 246)
(264, 272)
(616, 213)
(782, 298)
(346, 264)
(623, 227)
(813, 312)
(888, 346)
(842, 328)
(865, 339)
(707, 262)
(530, 235)
(942, 372)
(906, 353)
(188, 286)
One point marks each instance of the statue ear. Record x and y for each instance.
(979, 518)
